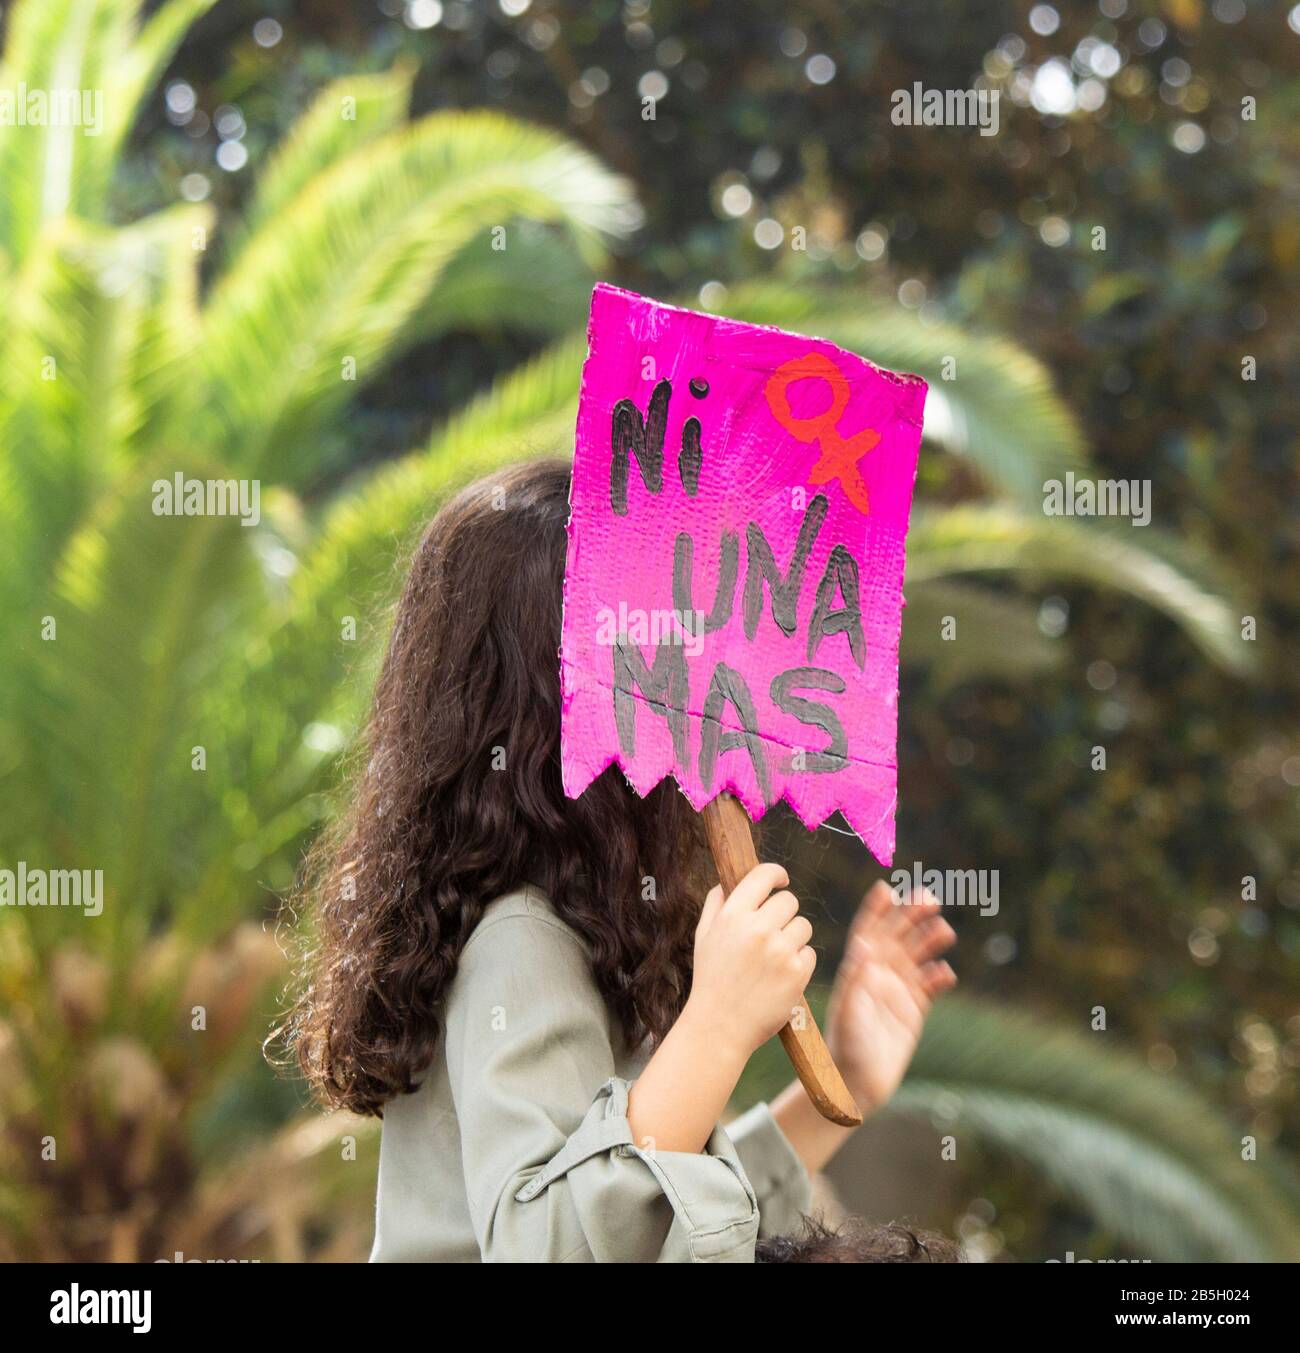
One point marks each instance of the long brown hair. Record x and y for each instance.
(456, 800)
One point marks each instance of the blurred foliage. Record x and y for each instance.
(126, 744)
(1157, 1170)
(200, 285)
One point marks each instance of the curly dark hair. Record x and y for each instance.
(857, 1242)
(457, 800)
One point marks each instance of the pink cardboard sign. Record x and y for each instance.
(733, 595)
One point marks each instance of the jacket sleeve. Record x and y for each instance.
(775, 1172)
(551, 1171)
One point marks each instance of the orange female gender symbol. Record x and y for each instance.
(840, 455)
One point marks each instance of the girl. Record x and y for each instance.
(537, 993)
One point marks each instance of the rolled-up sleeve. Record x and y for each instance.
(551, 1171)
(775, 1172)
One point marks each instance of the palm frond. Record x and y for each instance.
(296, 672)
(528, 412)
(539, 284)
(128, 77)
(46, 46)
(336, 277)
(989, 400)
(994, 635)
(101, 328)
(1145, 1155)
(146, 606)
(346, 115)
(999, 538)
(84, 50)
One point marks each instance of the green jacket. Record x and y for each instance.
(516, 1146)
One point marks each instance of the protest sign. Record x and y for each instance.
(733, 590)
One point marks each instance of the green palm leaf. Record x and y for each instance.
(999, 538)
(128, 77)
(528, 412)
(45, 48)
(145, 605)
(995, 635)
(297, 682)
(101, 329)
(989, 400)
(540, 285)
(1147, 1157)
(339, 273)
(70, 47)
(345, 116)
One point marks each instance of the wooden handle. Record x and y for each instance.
(731, 839)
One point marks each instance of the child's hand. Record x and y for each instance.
(752, 960)
(883, 991)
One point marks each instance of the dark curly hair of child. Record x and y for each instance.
(857, 1242)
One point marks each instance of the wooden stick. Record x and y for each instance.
(731, 839)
